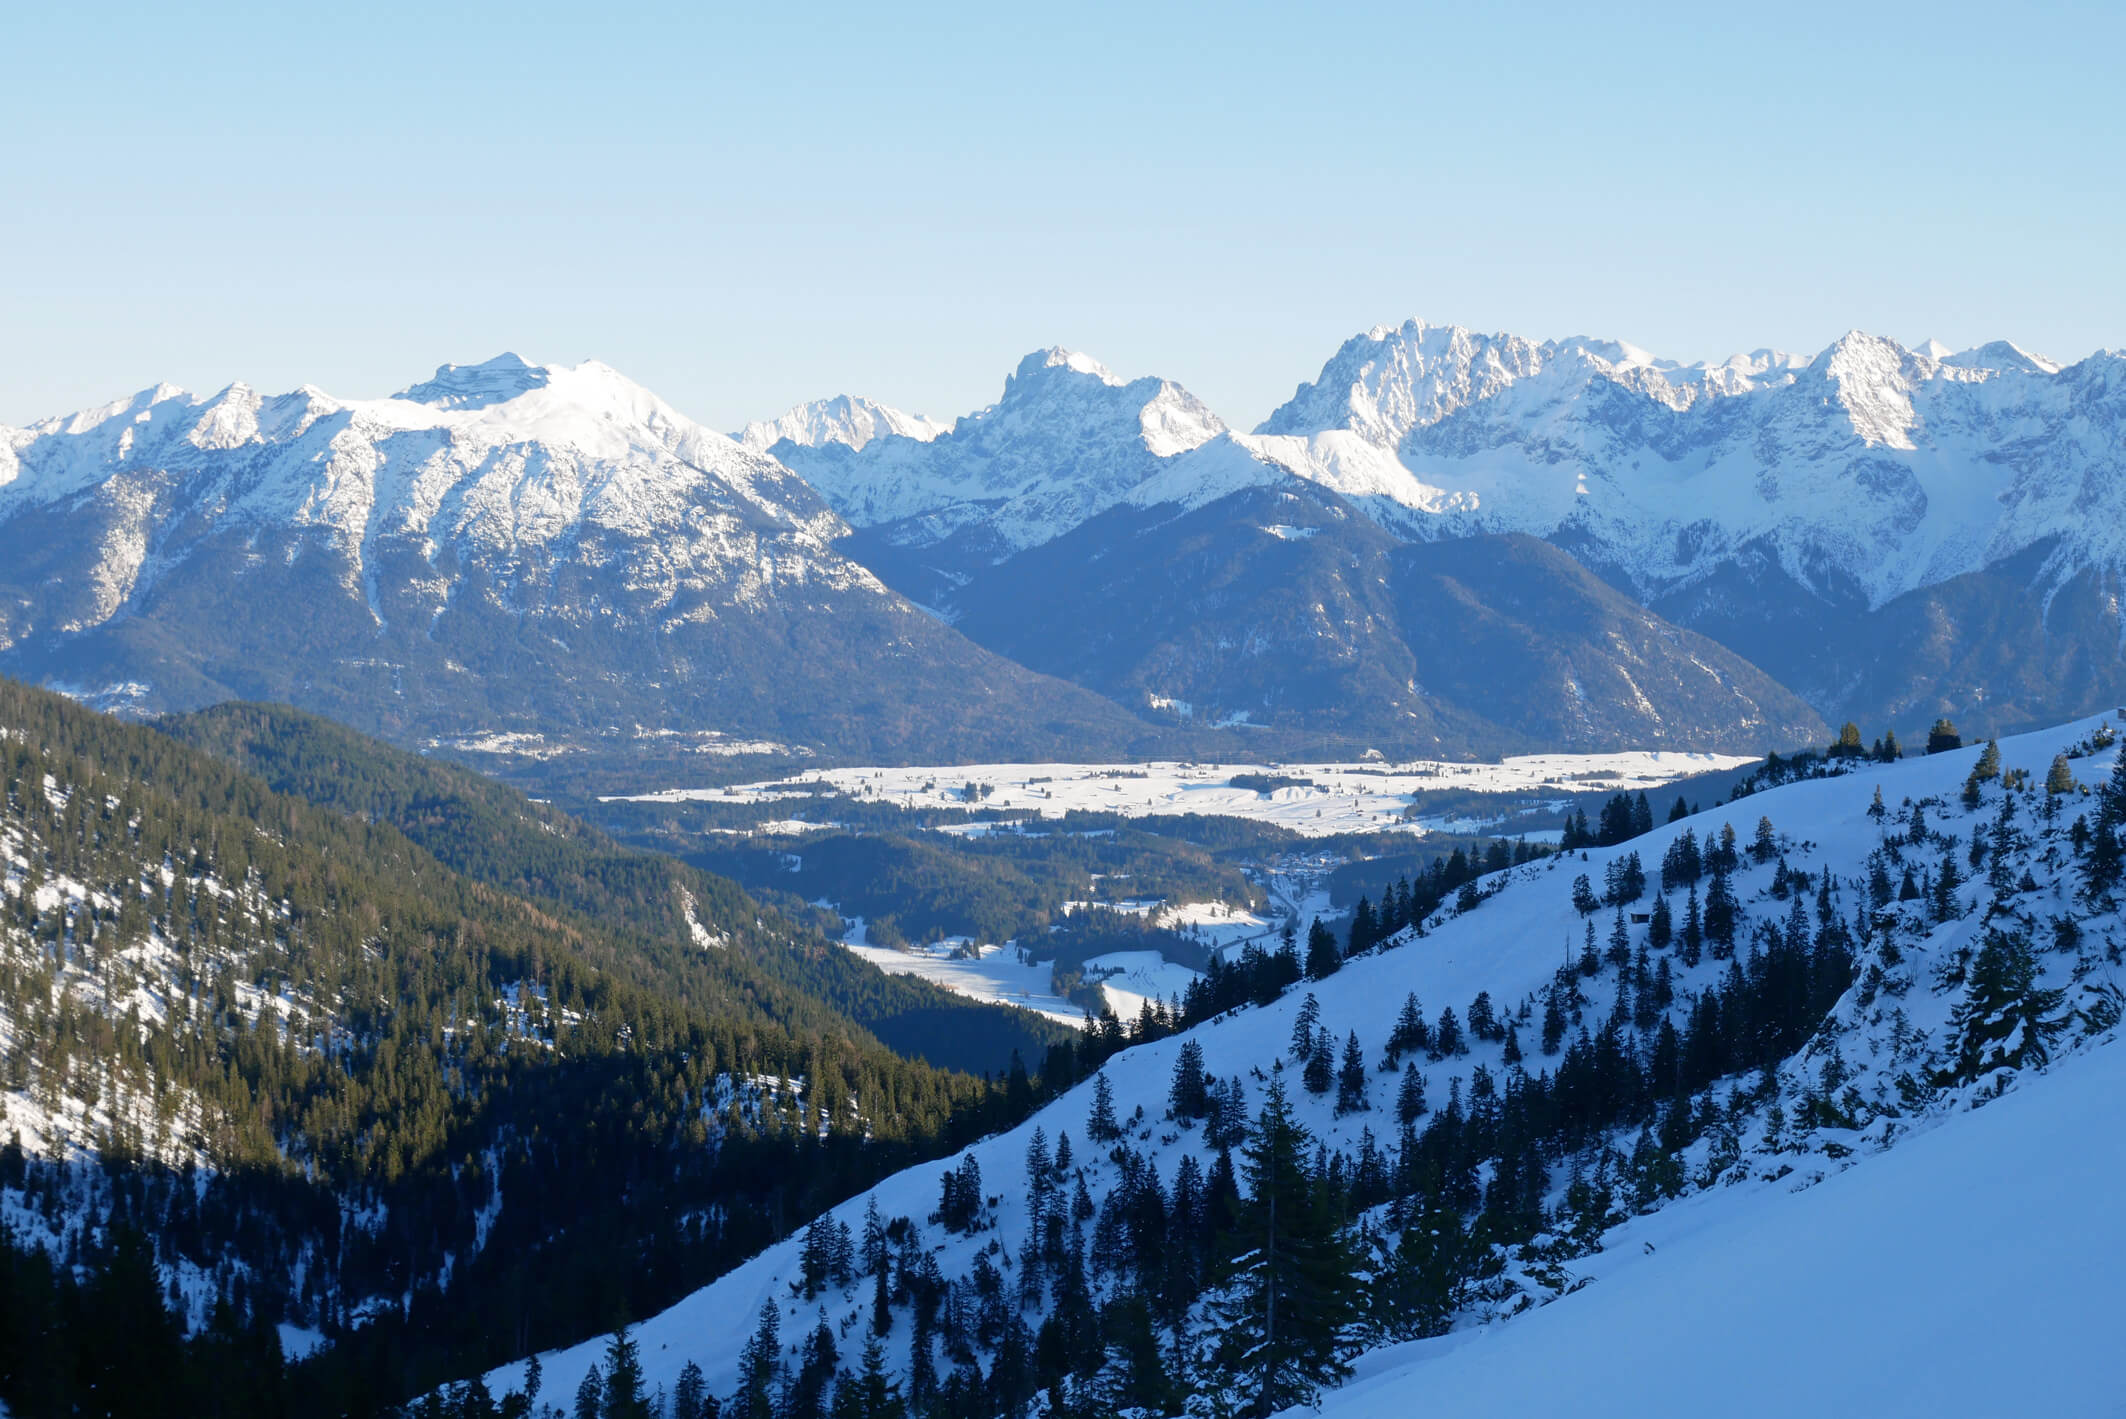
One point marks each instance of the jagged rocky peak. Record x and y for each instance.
(1391, 379)
(1041, 363)
(2002, 355)
(847, 419)
(495, 381)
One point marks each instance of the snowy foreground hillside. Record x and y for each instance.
(1972, 1270)
(1774, 1123)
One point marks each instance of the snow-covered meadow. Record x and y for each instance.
(1319, 800)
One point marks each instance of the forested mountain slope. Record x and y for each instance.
(278, 1063)
(1449, 1128)
(666, 921)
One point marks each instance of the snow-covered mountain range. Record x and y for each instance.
(1775, 502)
(1869, 467)
(542, 556)
(544, 553)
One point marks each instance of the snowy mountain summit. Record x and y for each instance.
(844, 419)
(1066, 441)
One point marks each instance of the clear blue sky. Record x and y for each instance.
(744, 208)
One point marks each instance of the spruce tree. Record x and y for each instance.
(1351, 1078)
(1323, 957)
(1410, 1097)
(1101, 1126)
(1304, 1023)
(690, 1394)
(590, 1396)
(1320, 1071)
(1447, 1039)
(1186, 1095)
(1292, 1291)
(2005, 1020)
(760, 1366)
(623, 1380)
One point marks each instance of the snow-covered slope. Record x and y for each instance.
(1890, 1065)
(1972, 1270)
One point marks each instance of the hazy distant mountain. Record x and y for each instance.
(843, 419)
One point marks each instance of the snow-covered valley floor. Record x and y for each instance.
(1313, 799)
(997, 974)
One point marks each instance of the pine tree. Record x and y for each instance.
(2059, 778)
(1720, 915)
(1101, 1126)
(1619, 952)
(1584, 900)
(623, 1380)
(1553, 1022)
(1323, 958)
(2107, 856)
(590, 1396)
(1418, 1292)
(1292, 1292)
(1447, 1039)
(1304, 1023)
(1186, 1095)
(1693, 931)
(1320, 1071)
(690, 1394)
(877, 1395)
(1351, 1079)
(1411, 1032)
(1410, 1097)
(2005, 1020)
(760, 1366)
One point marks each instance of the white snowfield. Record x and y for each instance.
(1972, 1270)
(996, 975)
(1337, 798)
(1940, 1258)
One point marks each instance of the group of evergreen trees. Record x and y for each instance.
(370, 1046)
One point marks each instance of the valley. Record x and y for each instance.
(1755, 1031)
